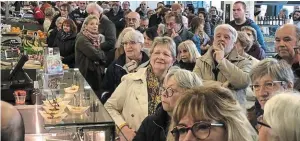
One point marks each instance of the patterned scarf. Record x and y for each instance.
(65, 35)
(92, 36)
(153, 90)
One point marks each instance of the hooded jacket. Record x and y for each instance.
(251, 23)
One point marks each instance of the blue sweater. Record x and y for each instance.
(251, 23)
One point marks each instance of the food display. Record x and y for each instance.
(54, 110)
(77, 109)
(72, 89)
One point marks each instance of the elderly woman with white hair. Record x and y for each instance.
(177, 81)
(222, 65)
(282, 120)
(130, 61)
(137, 96)
(187, 55)
(53, 32)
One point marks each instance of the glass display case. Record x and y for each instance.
(66, 108)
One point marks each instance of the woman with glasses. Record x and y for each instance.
(281, 120)
(130, 61)
(269, 77)
(187, 55)
(155, 127)
(137, 96)
(210, 114)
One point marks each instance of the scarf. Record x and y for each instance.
(94, 37)
(65, 35)
(153, 91)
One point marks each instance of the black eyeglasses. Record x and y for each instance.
(261, 122)
(168, 91)
(201, 130)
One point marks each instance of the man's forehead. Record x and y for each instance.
(286, 31)
(133, 15)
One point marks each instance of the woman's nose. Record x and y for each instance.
(189, 136)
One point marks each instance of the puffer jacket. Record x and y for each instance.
(232, 72)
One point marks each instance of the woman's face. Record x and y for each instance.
(184, 55)
(132, 49)
(249, 33)
(66, 28)
(92, 25)
(161, 58)
(201, 16)
(59, 24)
(148, 41)
(170, 94)
(214, 133)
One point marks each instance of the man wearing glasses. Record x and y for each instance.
(79, 14)
(133, 20)
(287, 45)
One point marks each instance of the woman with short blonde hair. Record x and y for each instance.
(187, 55)
(210, 113)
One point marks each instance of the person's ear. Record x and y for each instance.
(290, 85)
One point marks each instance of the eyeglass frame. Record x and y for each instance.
(260, 121)
(273, 83)
(130, 42)
(165, 90)
(191, 128)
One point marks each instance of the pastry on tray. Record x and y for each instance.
(77, 109)
(72, 89)
(53, 117)
(51, 104)
(54, 110)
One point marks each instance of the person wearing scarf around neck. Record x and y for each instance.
(187, 55)
(65, 41)
(89, 57)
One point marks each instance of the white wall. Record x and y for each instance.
(135, 4)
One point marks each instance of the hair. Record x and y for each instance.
(277, 70)
(151, 32)
(33, 3)
(150, 10)
(243, 3)
(160, 3)
(162, 28)
(191, 8)
(231, 30)
(133, 35)
(59, 19)
(252, 30)
(119, 48)
(95, 5)
(87, 20)
(214, 103)
(284, 119)
(178, 17)
(175, 7)
(144, 19)
(49, 12)
(245, 41)
(165, 41)
(127, 2)
(184, 78)
(72, 25)
(12, 126)
(191, 48)
(203, 13)
(297, 30)
(195, 23)
(66, 6)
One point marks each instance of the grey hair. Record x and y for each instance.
(185, 79)
(162, 28)
(165, 41)
(232, 30)
(278, 70)
(59, 19)
(87, 20)
(49, 12)
(121, 36)
(284, 119)
(95, 5)
(144, 18)
(252, 30)
(135, 36)
(191, 48)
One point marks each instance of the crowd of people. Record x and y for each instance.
(173, 74)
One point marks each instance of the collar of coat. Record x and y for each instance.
(140, 75)
(233, 56)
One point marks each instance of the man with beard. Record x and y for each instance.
(287, 45)
(116, 15)
(240, 20)
(79, 14)
(296, 18)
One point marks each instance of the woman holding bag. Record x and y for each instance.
(89, 57)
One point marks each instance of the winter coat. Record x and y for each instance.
(187, 66)
(154, 20)
(66, 48)
(52, 36)
(108, 29)
(257, 52)
(251, 23)
(76, 15)
(207, 29)
(117, 19)
(89, 60)
(232, 72)
(183, 36)
(116, 71)
(129, 102)
(154, 127)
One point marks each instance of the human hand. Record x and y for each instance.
(128, 133)
(218, 53)
(131, 66)
(174, 34)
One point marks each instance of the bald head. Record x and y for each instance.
(12, 126)
(133, 20)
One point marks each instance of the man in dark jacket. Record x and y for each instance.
(256, 51)
(79, 14)
(106, 27)
(116, 15)
(176, 30)
(240, 20)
